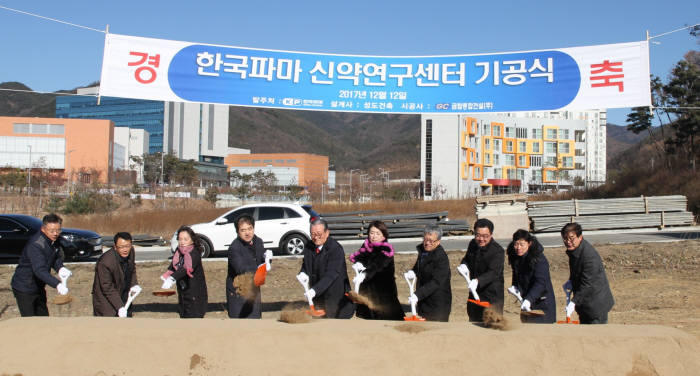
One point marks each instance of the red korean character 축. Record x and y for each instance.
(607, 66)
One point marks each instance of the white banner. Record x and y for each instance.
(603, 76)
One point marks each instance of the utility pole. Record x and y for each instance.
(29, 174)
(351, 171)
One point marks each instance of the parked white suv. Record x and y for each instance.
(281, 226)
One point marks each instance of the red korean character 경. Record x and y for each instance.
(144, 58)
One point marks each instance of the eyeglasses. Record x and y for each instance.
(317, 234)
(124, 246)
(482, 236)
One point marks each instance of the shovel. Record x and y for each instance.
(132, 295)
(533, 312)
(312, 310)
(568, 318)
(411, 288)
(476, 299)
(63, 299)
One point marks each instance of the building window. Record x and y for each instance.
(498, 173)
(521, 132)
(255, 161)
(510, 132)
(487, 158)
(245, 161)
(520, 174)
(580, 166)
(522, 160)
(280, 161)
(487, 143)
(267, 161)
(509, 146)
(537, 134)
(497, 145)
(563, 134)
(536, 176)
(551, 134)
(291, 161)
(497, 130)
(535, 161)
(486, 129)
(567, 162)
(550, 161)
(509, 160)
(580, 136)
(550, 175)
(550, 147)
(564, 147)
(510, 174)
(535, 147)
(522, 147)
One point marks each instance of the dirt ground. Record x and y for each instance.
(653, 283)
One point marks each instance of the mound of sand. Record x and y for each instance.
(92, 346)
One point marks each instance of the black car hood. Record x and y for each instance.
(79, 232)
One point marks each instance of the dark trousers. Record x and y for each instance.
(31, 304)
(586, 319)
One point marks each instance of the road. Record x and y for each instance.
(460, 242)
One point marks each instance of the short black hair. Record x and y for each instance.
(243, 218)
(523, 234)
(51, 218)
(569, 227)
(122, 235)
(483, 222)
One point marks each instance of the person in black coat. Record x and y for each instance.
(531, 277)
(592, 298)
(485, 259)
(376, 257)
(187, 272)
(115, 278)
(324, 264)
(33, 272)
(432, 268)
(245, 254)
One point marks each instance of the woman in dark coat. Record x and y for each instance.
(531, 277)
(379, 286)
(186, 271)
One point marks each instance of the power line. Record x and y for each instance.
(52, 19)
(673, 31)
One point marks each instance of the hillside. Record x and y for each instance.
(25, 104)
(619, 139)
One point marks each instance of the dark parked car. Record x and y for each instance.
(16, 229)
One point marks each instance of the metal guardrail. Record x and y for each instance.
(344, 226)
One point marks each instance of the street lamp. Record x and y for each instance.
(29, 168)
(351, 171)
(70, 169)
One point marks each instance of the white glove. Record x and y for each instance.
(268, 257)
(359, 278)
(410, 274)
(473, 284)
(567, 286)
(358, 267)
(167, 283)
(64, 273)
(463, 269)
(413, 299)
(513, 290)
(121, 312)
(135, 289)
(570, 309)
(303, 278)
(310, 294)
(526, 306)
(62, 289)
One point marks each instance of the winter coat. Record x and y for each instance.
(591, 290)
(328, 277)
(192, 296)
(33, 270)
(485, 265)
(531, 277)
(433, 289)
(244, 258)
(379, 285)
(110, 283)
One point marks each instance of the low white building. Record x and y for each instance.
(129, 143)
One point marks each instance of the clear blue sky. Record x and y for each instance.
(49, 56)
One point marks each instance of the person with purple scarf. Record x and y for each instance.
(186, 271)
(376, 257)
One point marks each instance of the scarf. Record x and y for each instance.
(369, 247)
(185, 251)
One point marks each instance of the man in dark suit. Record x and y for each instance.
(587, 280)
(33, 272)
(324, 264)
(485, 259)
(115, 278)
